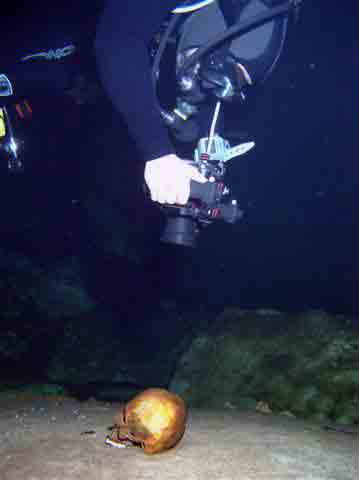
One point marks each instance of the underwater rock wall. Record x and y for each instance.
(304, 364)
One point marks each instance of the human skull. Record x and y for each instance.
(154, 420)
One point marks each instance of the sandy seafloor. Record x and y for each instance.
(42, 439)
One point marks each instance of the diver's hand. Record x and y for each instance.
(168, 179)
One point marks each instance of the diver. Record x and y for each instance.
(121, 43)
(121, 46)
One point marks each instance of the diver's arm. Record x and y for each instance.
(123, 34)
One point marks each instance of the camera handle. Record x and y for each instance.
(213, 152)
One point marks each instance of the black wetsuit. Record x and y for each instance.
(123, 34)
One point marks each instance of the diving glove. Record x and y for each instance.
(5, 86)
(168, 179)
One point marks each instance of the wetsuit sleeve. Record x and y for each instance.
(121, 47)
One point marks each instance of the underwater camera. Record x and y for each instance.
(208, 201)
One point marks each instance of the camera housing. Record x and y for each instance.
(208, 201)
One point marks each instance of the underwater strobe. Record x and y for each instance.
(208, 201)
